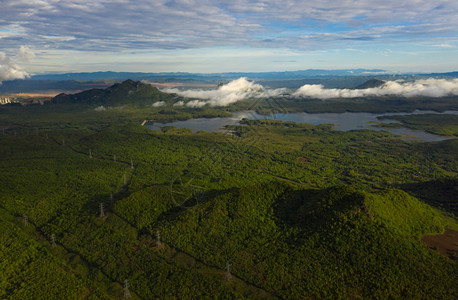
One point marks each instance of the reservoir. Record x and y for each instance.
(342, 121)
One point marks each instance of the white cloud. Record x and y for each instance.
(25, 53)
(354, 12)
(100, 108)
(426, 87)
(118, 27)
(158, 104)
(443, 46)
(123, 24)
(226, 94)
(241, 89)
(9, 70)
(196, 103)
(115, 25)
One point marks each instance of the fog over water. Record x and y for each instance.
(242, 88)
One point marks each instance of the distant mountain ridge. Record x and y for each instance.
(167, 76)
(348, 78)
(315, 73)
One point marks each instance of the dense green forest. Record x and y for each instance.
(446, 124)
(90, 198)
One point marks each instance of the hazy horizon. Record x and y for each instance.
(365, 72)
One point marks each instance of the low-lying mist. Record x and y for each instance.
(425, 87)
(226, 94)
(242, 88)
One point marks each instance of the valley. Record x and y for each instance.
(278, 209)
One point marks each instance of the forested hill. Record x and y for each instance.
(127, 92)
(94, 205)
(372, 83)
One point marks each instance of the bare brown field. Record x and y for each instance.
(446, 244)
(36, 95)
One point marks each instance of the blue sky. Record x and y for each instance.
(42, 36)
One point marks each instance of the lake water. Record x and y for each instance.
(342, 121)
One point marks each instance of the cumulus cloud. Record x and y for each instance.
(426, 87)
(10, 70)
(226, 94)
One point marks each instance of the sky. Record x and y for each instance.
(200, 36)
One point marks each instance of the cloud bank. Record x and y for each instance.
(226, 94)
(84, 35)
(10, 70)
(426, 87)
(126, 24)
(241, 89)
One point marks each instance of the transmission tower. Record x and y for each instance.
(102, 212)
(127, 294)
(228, 275)
(53, 240)
(158, 238)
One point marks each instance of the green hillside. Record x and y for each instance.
(331, 243)
(372, 83)
(444, 124)
(89, 199)
(128, 92)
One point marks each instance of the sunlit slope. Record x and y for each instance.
(335, 242)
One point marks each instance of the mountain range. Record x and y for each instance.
(70, 82)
